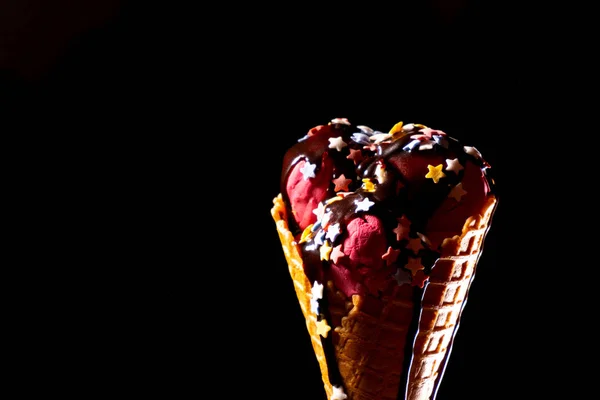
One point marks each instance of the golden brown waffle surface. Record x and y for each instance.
(369, 334)
(302, 285)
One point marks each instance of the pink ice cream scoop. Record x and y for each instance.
(413, 186)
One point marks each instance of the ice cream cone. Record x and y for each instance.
(369, 334)
(443, 301)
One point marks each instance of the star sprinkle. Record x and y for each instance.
(337, 143)
(457, 192)
(419, 279)
(314, 306)
(317, 290)
(402, 228)
(333, 231)
(472, 151)
(325, 251)
(368, 185)
(380, 137)
(355, 155)
(398, 131)
(363, 205)
(322, 328)
(391, 255)
(307, 234)
(402, 277)
(414, 265)
(428, 132)
(336, 253)
(319, 211)
(415, 245)
(318, 238)
(338, 393)
(308, 170)
(341, 183)
(340, 121)
(435, 173)
(453, 165)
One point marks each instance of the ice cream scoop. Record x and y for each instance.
(388, 227)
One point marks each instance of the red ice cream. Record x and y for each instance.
(415, 174)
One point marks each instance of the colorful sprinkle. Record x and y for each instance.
(308, 170)
(391, 255)
(419, 279)
(325, 251)
(453, 165)
(333, 231)
(323, 328)
(435, 173)
(355, 155)
(368, 185)
(317, 291)
(307, 234)
(337, 143)
(457, 192)
(341, 121)
(472, 151)
(414, 265)
(336, 254)
(341, 183)
(338, 393)
(363, 205)
(403, 228)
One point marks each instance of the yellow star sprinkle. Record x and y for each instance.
(325, 250)
(322, 328)
(307, 234)
(397, 131)
(435, 173)
(368, 185)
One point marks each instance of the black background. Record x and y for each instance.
(167, 127)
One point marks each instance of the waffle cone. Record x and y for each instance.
(301, 284)
(369, 334)
(443, 300)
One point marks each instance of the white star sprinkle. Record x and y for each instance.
(453, 165)
(363, 205)
(457, 192)
(319, 211)
(314, 306)
(317, 290)
(340, 121)
(308, 170)
(472, 151)
(338, 393)
(426, 145)
(332, 232)
(318, 240)
(380, 137)
(337, 143)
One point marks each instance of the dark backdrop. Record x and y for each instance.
(167, 129)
